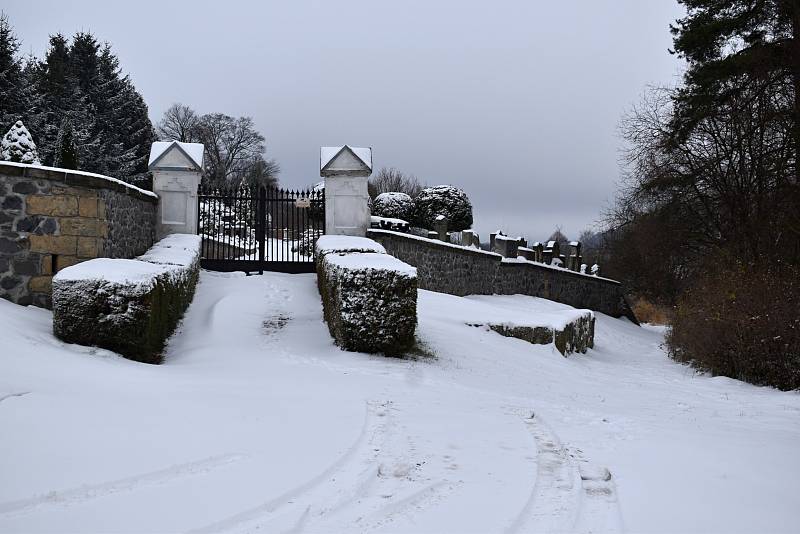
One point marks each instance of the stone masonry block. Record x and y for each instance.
(60, 205)
(80, 226)
(54, 244)
(65, 261)
(87, 207)
(88, 247)
(46, 265)
(40, 284)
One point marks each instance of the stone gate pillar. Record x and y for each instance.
(177, 169)
(346, 171)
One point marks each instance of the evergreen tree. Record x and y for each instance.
(12, 105)
(18, 146)
(66, 152)
(738, 49)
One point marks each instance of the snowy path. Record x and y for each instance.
(258, 423)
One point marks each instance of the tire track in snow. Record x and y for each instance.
(257, 515)
(88, 492)
(566, 497)
(10, 395)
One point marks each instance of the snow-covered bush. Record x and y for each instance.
(445, 200)
(18, 146)
(393, 206)
(128, 306)
(307, 241)
(369, 298)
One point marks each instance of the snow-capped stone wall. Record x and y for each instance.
(128, 306)
(575, 335)
(369, 297)
(460, 271)
(53, 218)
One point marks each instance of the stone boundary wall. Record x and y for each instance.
(53, 218)
(460, 271)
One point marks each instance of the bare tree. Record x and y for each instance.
(232, 145)
(388, 180)
(179, 123)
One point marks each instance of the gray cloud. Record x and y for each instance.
(515, 102)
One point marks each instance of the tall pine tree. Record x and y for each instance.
(12, 104)
(66, 152)
(78, 85)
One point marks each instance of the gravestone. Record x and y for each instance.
(440, 227)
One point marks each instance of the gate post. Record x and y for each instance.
(346, 170)
(177, 168)
(261, 226)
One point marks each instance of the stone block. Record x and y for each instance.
(79, 226)
(40, 284)
(10, 282)
(12, 203)
(28, 224)
(57, 205)
(47, 227)
(88, 247)
(11, 245)
(54, 244)
(87, 206)
(102, 229)
(46, 264)
(65, 261)
(27, 266)
(24, 188)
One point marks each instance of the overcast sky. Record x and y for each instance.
(515, 102)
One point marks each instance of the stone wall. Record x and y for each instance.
(460, 271)
(52, 218)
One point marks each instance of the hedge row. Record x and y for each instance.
(369, 298)
(128, 306)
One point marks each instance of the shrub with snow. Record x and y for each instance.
(393, 206)
(445, 200)
(18, 146)
(369, 298)
(307, 241)
(128, 306)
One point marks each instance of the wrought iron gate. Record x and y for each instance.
(260, 229)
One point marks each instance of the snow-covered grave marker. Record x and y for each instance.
(440, 227)
(177, 169)
(346, 170)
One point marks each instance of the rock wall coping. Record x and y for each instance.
(461, 271)
(75, 178)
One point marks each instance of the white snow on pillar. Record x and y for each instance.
(346, 170)
(177, 169)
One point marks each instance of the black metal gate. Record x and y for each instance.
(260, 229)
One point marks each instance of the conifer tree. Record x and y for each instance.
(18, 146)
(66, 152)
(12, 105)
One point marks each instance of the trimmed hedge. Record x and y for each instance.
(128, 306)
(369, 298)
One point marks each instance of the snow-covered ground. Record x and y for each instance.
(257, 422)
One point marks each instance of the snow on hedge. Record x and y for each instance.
(369, 298)
(128, 306)
(346, 243)
(393, 206)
